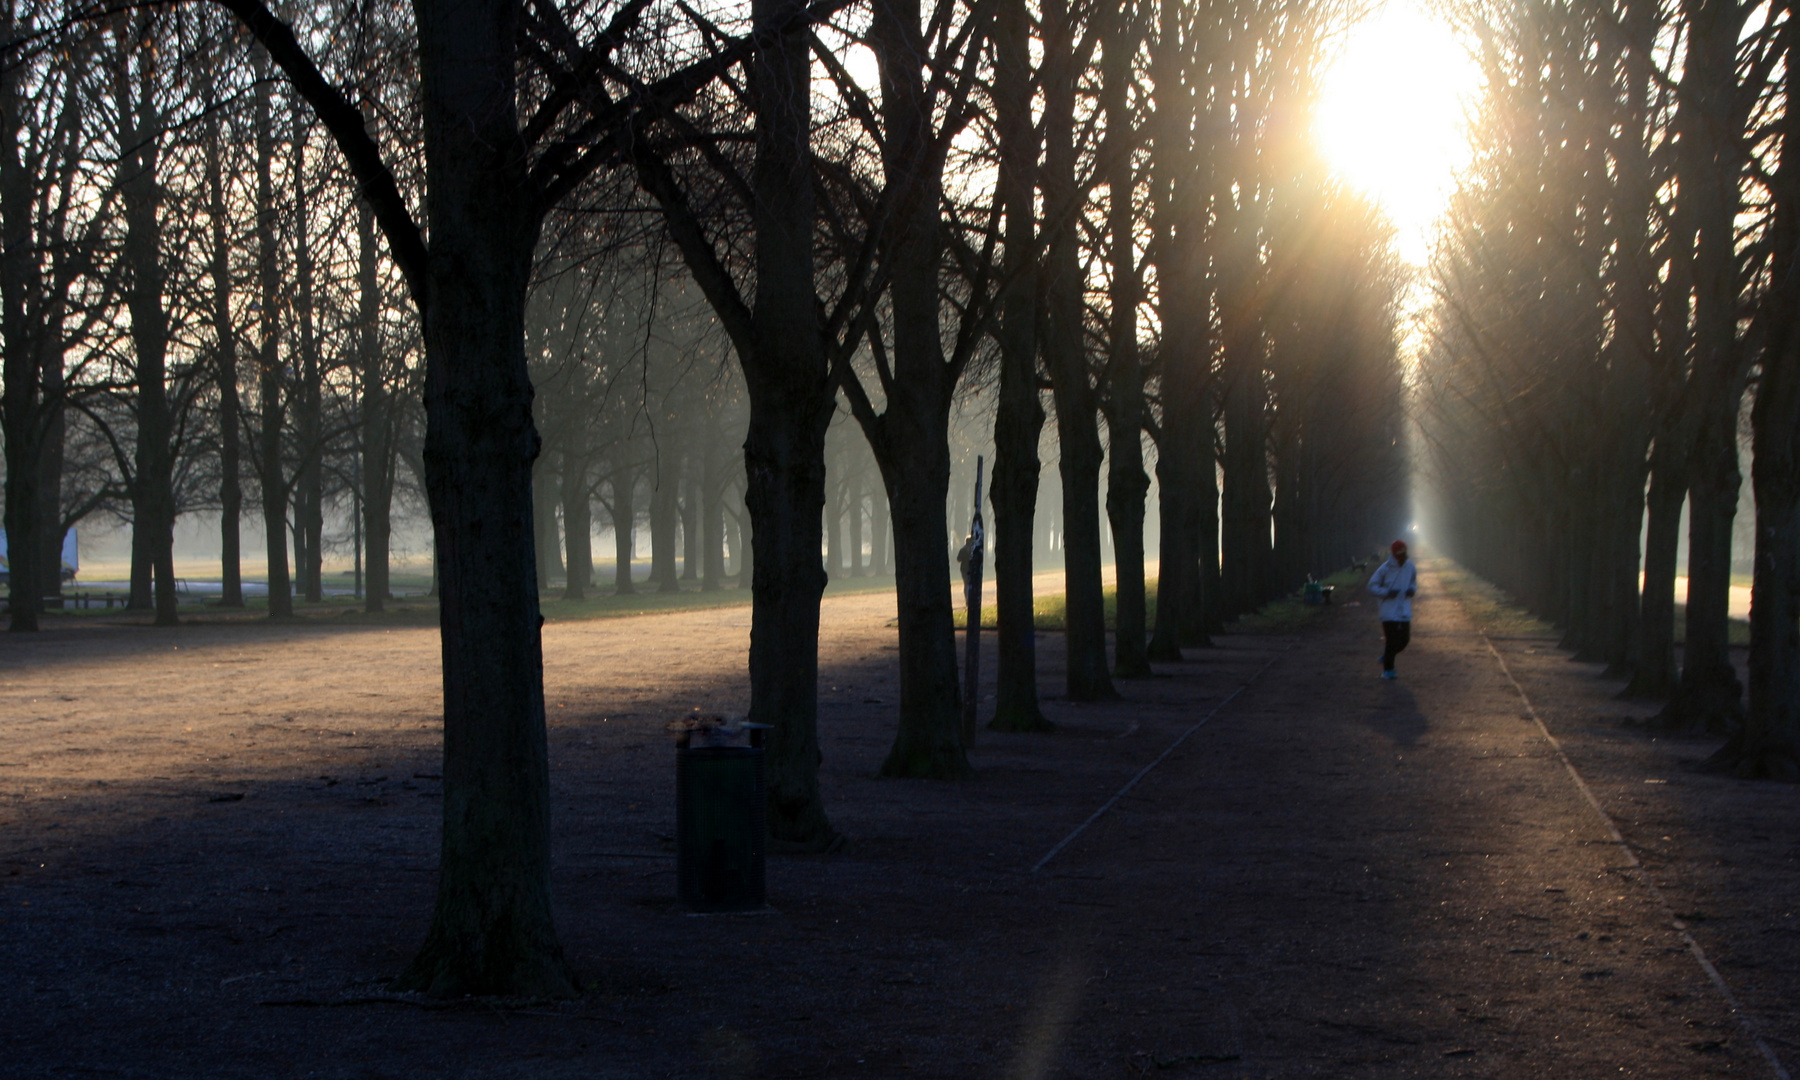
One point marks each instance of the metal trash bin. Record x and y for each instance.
(721, 825)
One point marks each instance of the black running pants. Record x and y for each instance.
(1398, 634)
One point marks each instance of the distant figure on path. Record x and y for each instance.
(1395, 581)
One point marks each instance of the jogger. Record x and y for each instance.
(1395, 581)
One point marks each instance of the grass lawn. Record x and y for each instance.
(1280, 616)
(411, 607)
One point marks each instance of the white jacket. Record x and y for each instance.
(1391, 582)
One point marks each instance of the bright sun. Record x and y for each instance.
(1391, 116)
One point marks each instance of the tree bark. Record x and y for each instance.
(1711, 158)
(376, 419)
(881, 560)
(712, 517)
(911, 438)
(690, 523)
(624, 523)
(493, 930)
(270, 391)
(665, 519)
(309, 479)
(1065, 355)
(577, 514)
(225, 369)
(1127, 484)
(1709, 695)
(853, 508)
(1768, 745)
(141, 196)
(20, 283)
(665, 522)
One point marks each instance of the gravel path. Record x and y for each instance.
(216, 841)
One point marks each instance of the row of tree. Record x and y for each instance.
(878, 207)
(1618, 275)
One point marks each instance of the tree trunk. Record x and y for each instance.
(1710, 696)
(152, 496)
(1768, 745)
(492, 930)
(577, 514)
(712, 517)
(853, 507)
(376, 418)
(1065, 355)
(665, 519)
(1655, 674)
(1710, 160)
(225, 369)
(309, 479)
(269, 388)
(1246, 532)
(833, 524)
(624, 523)
(1127, 484)
(53, 402)
(911, 437)
(543, 521)
(690, 523)
(20, 278)
(1179, 248)
(1209, 603)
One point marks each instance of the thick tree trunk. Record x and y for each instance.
(1654, 676)
(1065, 355)
(152, 496)
(784, 457)
(781, 347)
(928, 742)
(1179, 248)
(910, 438)
(1710, 159)
(1710, 696)
(1245, 539)
(492, 930)
(1127, 484)
(20, 278)
(1768, 745)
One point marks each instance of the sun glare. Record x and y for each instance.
(1391, 116)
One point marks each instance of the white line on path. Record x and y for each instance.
(1743, 1018)
(1145, 771)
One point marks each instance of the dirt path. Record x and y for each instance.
(213, 840)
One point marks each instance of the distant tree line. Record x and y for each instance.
(1617, 286)
(268, 257)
